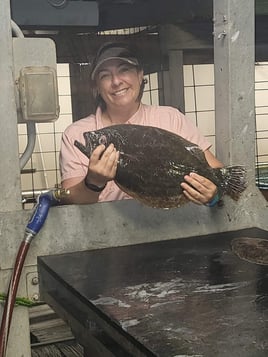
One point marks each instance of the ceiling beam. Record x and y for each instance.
(42, 15)
(72, 48)
(108, 14)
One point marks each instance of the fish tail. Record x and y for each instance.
(81, 147)
(234, 182)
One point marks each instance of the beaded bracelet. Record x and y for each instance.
(214, 201)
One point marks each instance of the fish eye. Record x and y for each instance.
(103, 140)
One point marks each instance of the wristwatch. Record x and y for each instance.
(93, 187)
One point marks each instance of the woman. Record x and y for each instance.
(118, 82)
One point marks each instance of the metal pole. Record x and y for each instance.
(10, 196)
(234, 59)
(10, 193)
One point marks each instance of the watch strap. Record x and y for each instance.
(93, 187)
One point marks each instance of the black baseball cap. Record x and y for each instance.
(111, 51)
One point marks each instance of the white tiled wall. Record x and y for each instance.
(150, 95)
(199, 103)
(199, 98)
(261, 100)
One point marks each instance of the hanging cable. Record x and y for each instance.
(31, 128)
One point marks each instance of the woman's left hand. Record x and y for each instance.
(198, 189)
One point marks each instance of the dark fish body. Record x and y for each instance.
(253, 250)
(154, 161)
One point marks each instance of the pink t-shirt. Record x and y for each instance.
(73, 163)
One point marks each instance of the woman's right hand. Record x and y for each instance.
(102, 165)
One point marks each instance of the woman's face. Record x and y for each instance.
(119, 83)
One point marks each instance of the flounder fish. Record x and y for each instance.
(253, 250)
(154, 161)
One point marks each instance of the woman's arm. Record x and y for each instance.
(212, 160)
(101, 169)
(79, 193)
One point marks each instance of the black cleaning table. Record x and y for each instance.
(182, 297)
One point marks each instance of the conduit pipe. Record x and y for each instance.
(31, 126)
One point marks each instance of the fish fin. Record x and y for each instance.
(82, 148)
(234, 182)
(197, 152)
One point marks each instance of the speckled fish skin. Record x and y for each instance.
(253, 250)
(153, 163)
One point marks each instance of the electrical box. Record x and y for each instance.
(38, 91)
(35, 76)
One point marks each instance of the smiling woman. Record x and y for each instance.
(108, 78)
(114, 63)
(117, 82)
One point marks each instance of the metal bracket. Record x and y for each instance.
(32, 286)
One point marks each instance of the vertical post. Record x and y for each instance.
(82, 99)
(173, 81)
(234, 59)
(10, 195)
(10, 192)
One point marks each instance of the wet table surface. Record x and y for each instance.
(182, 297)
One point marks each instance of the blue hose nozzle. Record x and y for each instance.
(44, 202)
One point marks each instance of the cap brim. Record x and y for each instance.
(133, 62)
